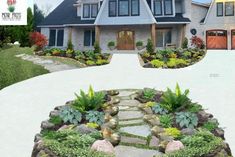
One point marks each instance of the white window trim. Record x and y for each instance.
(56, 35)
(91, 18)
(163, 9)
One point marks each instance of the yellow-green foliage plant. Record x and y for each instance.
(174, 132)
(175, 62)
(157, 63)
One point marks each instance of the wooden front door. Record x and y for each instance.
(233, 39)
(216, 39)
(126, 40)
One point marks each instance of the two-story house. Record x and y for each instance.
(166, 22)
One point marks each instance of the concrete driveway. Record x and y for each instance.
(24, 105)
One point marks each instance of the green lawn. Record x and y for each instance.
(13, 69)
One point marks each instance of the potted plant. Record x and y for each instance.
(111, 45)
(139, 45)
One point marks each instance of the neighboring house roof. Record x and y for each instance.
(65, 14)
(177, 19)
(201, 4)
(210, 8)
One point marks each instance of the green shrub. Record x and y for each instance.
(157, 63)
(70, 115)
(149, 47)
(198, 145)
(97, 48)
(159, 110)
(159, 56)
(111, 43)
(68, 143)
(185, 43)
(101, 62)
(57, 120)
(90, 63)
(210, 126)
(175, 62)
(95, 117)
(90, 101)
(194, 108)
(186, 119)
(166, 121)
(174, 132)
(139, 43)
(187, 54)
(149, 94)
(175, 101)
(70, 45)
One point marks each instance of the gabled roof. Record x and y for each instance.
(65, 14)
(207, 5)
(177, 19)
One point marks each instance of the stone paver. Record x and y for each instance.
(142, 130)
(211, 83)
(129, 115)
(131, 122)
(132, 140)
(125, 93)
(127, 151)
(50, 65)
(132, 103)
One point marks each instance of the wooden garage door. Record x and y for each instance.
(233, 39)
(216, 39)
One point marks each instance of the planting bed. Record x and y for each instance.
(172, 58)
(87, 58)
(133, 123)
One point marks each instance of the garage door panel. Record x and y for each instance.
(217, 39)
(233, 39)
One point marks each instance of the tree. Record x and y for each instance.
(38, 17)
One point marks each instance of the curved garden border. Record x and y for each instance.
(158, 123)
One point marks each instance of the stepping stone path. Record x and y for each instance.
(50, 65)
(134, 131)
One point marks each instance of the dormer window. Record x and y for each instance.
(90, 10)
(162, 6)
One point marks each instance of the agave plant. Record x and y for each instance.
(175, 101)
(91, 101)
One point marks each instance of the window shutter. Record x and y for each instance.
(52, 38)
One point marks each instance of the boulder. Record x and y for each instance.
(154, 142)
(219, 132)
(174, 146)
(54, 113)
(103, 146)
(148, 110)
(47, 125)
(203, 116)
(37, 137)
(157, 130)
(64, 127)
(188, 131)
(83, 129)
(154, 121)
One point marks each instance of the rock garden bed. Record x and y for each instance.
(172, 58)
(86, 58)
(135, 122)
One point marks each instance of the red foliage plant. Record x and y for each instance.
(39, 40)
(197, 42)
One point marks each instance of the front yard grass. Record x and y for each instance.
(13, 69)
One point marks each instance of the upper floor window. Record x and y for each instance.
(157, 4)
(229, 8)
(220, 9)
(124, 8)
(160, 6)
(112, 8)
(168, 9)
(90, 10)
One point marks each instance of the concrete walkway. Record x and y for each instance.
(25, 104)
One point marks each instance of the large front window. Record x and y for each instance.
(162, 6)
(56, 37)
(89, 37)
(90, 10)
(229, 8)
(123, 8)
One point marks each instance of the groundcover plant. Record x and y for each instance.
(161, 123)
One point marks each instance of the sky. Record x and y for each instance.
(49, 5)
